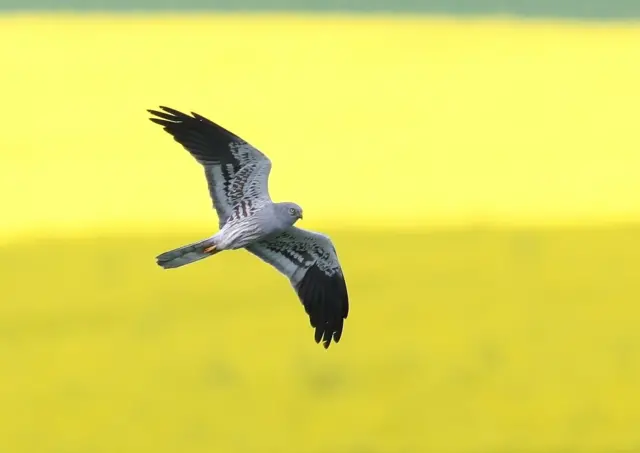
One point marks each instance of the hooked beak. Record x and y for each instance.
(300, 216)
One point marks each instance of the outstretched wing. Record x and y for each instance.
(235, 170)
(310, 262)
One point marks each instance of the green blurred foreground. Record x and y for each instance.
(469, 341)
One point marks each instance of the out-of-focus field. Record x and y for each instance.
(442, 121)
(459, 341)
(469, 341)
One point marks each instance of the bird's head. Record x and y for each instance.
(291, 211)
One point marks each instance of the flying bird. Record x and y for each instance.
(237, 176)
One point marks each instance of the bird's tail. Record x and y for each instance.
(188, 254)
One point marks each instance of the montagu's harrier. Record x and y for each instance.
(237, 175)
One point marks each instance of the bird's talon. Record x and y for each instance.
(210, 249)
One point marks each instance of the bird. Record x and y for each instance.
(237, 176)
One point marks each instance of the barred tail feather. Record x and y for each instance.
(186, 254)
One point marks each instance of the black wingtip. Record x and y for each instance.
(173, 112)
(160, 122)
(181, 124)
(200, 117)
(326, 301)
(168, 114)
(176, 115)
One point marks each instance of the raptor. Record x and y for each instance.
(237, 176)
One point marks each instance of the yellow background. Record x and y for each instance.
(442, 121)
(388, 133)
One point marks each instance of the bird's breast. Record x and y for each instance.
(241, 232)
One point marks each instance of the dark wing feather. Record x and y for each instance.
(223, 155)
(326, 301)
(310, 262)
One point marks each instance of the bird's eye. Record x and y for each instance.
(292, 211)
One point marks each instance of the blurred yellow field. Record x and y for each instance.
(459, 340)
(464, 341)
(443, 121)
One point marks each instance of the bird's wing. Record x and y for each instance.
(310, 262)
(234, 169)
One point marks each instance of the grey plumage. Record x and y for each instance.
(237, 175)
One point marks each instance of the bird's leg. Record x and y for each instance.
(211, 249)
